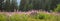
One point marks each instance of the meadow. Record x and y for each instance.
(8, 8)
(40, 16)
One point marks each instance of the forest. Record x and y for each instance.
(26, 5)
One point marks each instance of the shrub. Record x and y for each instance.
(42, 16)
(58, 8)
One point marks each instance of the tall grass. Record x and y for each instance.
(3, 17)
(24, 17)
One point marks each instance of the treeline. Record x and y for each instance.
(8, 5)
(25, 5)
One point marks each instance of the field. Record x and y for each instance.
(21, 16)
(37, 10)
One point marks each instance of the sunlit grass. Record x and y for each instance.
(3, 17)
(24, 17)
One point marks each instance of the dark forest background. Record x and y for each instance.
(26, 5)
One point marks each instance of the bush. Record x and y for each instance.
(58, 8)
(41, 16)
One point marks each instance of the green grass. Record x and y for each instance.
(24, 17)
(3, 17)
